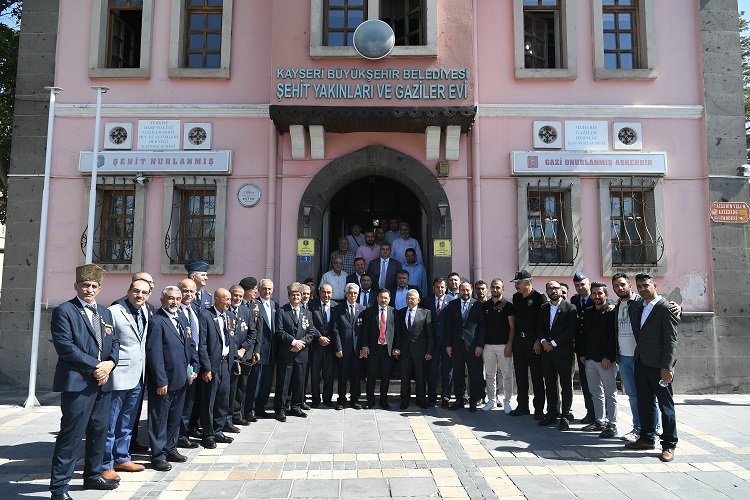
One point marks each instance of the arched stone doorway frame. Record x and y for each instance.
(381, 161)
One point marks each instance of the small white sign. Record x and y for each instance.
(158, 135)
(586, 136)
(182, 162)
(249, 195)
(562, 163)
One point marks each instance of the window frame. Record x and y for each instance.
(570, 188)
(98, 50)
(567, 49)
(115, 183)
(646, 40)
(177, 44)
(317, 20)
(173, 188)
(656, 194)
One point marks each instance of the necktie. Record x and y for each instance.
(325, 310)
(381, 338)
(139, 321)
(439, 305)
(364, 298)
(295, 313)
(409, 318)
(97, 324)
(464, 308)
(351, 310)
(223, 321)
(178, 325)
(383, 271)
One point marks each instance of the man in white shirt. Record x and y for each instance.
(336, 278)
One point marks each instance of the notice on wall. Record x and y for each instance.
(305, 247)
(730, 211)
(564, 163)
(158, 135)
(442, 248)
(586, 136)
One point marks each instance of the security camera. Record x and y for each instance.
(141, 180)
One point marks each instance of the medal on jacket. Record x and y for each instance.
(305, 323)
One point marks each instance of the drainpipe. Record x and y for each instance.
(476, 183)
(271, 196)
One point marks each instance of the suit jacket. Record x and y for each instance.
(206, 301)
(131, 367)
(193, 333)
(75, 342)
(371, 325)
(564, 326)
(245, 335)
(346, 330)
(656, 340)
(211, 346)
(288, 330)
(353, 278)
(438, 321)
(470, 332)
(373, 269)
(323, 328)
(372, 297)
(418, 339)
(167, 353)
(266, 334)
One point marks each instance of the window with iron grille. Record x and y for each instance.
(548, 239)
(541, 29)
(116, 226)
(197, 225)
(341, 18)
(406, 17)
(620, 32)
(125, 23)
(203, 32)
(635, 237)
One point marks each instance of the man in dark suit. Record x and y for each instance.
(264, 355)
(216, 352)
(191, 410)
(172, 364)
(464, 323)
(367, 296)
(294, 334)
(655, 328)
(440, 366)
(379, 347)
(244, 340)
(197, 271)
(557, 327)
(321, 350)
(250, 302)
(359, 269)
(582, 300)
(416, 345)
(384, 269)
(87, 348)
(346, 326)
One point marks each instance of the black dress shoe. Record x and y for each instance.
(263, 414)
(296, 412)
(424, 406)
(538, 415)
(403, 406)
(472, 407)
(356, 406)
(281, 416)
(231, 428)
(456, 406)
(548, 420)
(252, 417)
(305, 406)
(176, 456)
(208, 443)
(370, 405)
(184, 442)
(446, 403)
(329, 404)
(240, 421)
(339, 407)
(195, 433)
(138, 448)
(221, 438)
(519, 412)
(315, 404)
(99, 484)
(61, 496)
(588, 418)
(384, 405)
(564, 424)
(161, 466)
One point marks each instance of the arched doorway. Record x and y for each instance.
(419, 199)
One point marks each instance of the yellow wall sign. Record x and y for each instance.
(441, 248)
(305, 247)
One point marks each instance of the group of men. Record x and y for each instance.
(208, 361)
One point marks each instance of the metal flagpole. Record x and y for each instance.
(31, 400)
(94, 165)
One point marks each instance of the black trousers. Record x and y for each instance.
(84, 413)
(379, 364)
(349, 371)
(413, 362)
(191, 408)
(290, 377)
(525, 360)
(258, 388)
(465, 362)
(646, 388)
(558, 366)
(164, 415)
(321, 364)
(215, 401)
(237, 398)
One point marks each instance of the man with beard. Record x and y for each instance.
(321, 350)
(370, 250)
(244, 339)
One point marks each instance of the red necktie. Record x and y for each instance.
(381, 339)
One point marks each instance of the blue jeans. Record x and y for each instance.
(122, 416)
(626, 365)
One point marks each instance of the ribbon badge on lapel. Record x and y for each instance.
(256, 315)
(107, 329)
(359, 321)
(305, 323)
(230, 325)
(188, 331)
(243, 325)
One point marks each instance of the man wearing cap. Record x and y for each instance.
(582, 300)
(527, 349)
(250, 305)
(88, 350)
(244, 339)
(198, 271)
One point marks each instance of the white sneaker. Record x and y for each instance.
(490, 405)
(631, 436)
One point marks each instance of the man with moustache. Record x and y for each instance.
(380, 347)
(191, 410)
(250, 302)
(557, 327)
(88, 350)
(367, 296)
(172, 364)
(264, 355)
(480, 291)
(321, 354)
(216, 352)
(244, 339)
(359, 270)
(198, 271)
(384, 269)
(129, 319)
(440, 366)
(499, 322)
(347, 336)
(416, 345)
(452, 281)
(370, 250)
(582, 300)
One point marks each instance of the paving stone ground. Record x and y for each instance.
(410, 454)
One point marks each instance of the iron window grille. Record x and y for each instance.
(637, 239)
(550, 238)
(115, 221)
(191, 233)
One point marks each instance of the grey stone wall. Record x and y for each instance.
(36, 69)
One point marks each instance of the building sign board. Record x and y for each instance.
(586, 135)
(331, 83)
(159, 135)
(180, 162)
(442, 248)
(305, 247)
(730, 211)
(249, 195)
(564, 163)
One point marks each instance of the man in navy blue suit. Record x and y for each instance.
(346, 333)
(87, 348)
(172, 365)
(264, 355)
(197, 270)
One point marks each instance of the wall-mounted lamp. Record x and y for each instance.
(140, 179)
(306, 208)
(442, 207)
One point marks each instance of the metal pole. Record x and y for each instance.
(94, 165)
(31, 400)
